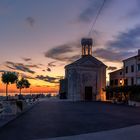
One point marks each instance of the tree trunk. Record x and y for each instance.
(6, 91)
(20, 91)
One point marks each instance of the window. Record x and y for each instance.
(126, 82)
(138, 81)
(116, 81)
(126, 69)
(132, 81)
(138, 58)
(138, 67)
(121, 73)
(111, 82)
(132, 68)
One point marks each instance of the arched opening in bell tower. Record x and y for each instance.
(86, 46)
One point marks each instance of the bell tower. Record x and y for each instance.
(86, 46)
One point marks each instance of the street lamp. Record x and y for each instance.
(121, 82)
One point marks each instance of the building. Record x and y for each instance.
(129, 74)
(117, 78)
(132, 70)
(63, 89)
(85, 78)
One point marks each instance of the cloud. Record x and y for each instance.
(111, 55)
(30, 21)
(40, 64)
(91, 10)
(126, 40)
(10, 67)
(73, 58)
(68, 52)
(48, 78)
(26, 59)
(111, 68)
(52, 64)
(27, 76)
(19, 66)
(62, 49)
(124, 45)
(32, 66)
(48, 69)
(64, 52)
(117, 49)
(1, 71)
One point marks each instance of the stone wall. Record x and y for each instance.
(80, 77)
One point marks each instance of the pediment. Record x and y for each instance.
(88, 63)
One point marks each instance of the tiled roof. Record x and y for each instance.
(85, 60)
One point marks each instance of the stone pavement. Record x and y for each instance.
(4, 120)
(50, 119)
(128, 133)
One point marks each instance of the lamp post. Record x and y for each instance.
(121, 82)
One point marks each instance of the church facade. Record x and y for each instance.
(85, 78)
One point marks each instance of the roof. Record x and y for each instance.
(131, 57)
(116, 71)
(86, 60)
(136, 56)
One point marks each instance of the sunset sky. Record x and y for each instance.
(39, 37)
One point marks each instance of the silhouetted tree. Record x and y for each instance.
(23, 83)
(9, 78)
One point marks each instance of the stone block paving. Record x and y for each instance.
(50, 119)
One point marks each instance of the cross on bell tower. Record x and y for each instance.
(86, 46)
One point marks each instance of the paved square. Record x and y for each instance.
(59, 118)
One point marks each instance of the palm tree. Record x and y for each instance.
(7, 78)
(23, 83)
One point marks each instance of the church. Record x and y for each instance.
(85, 78)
